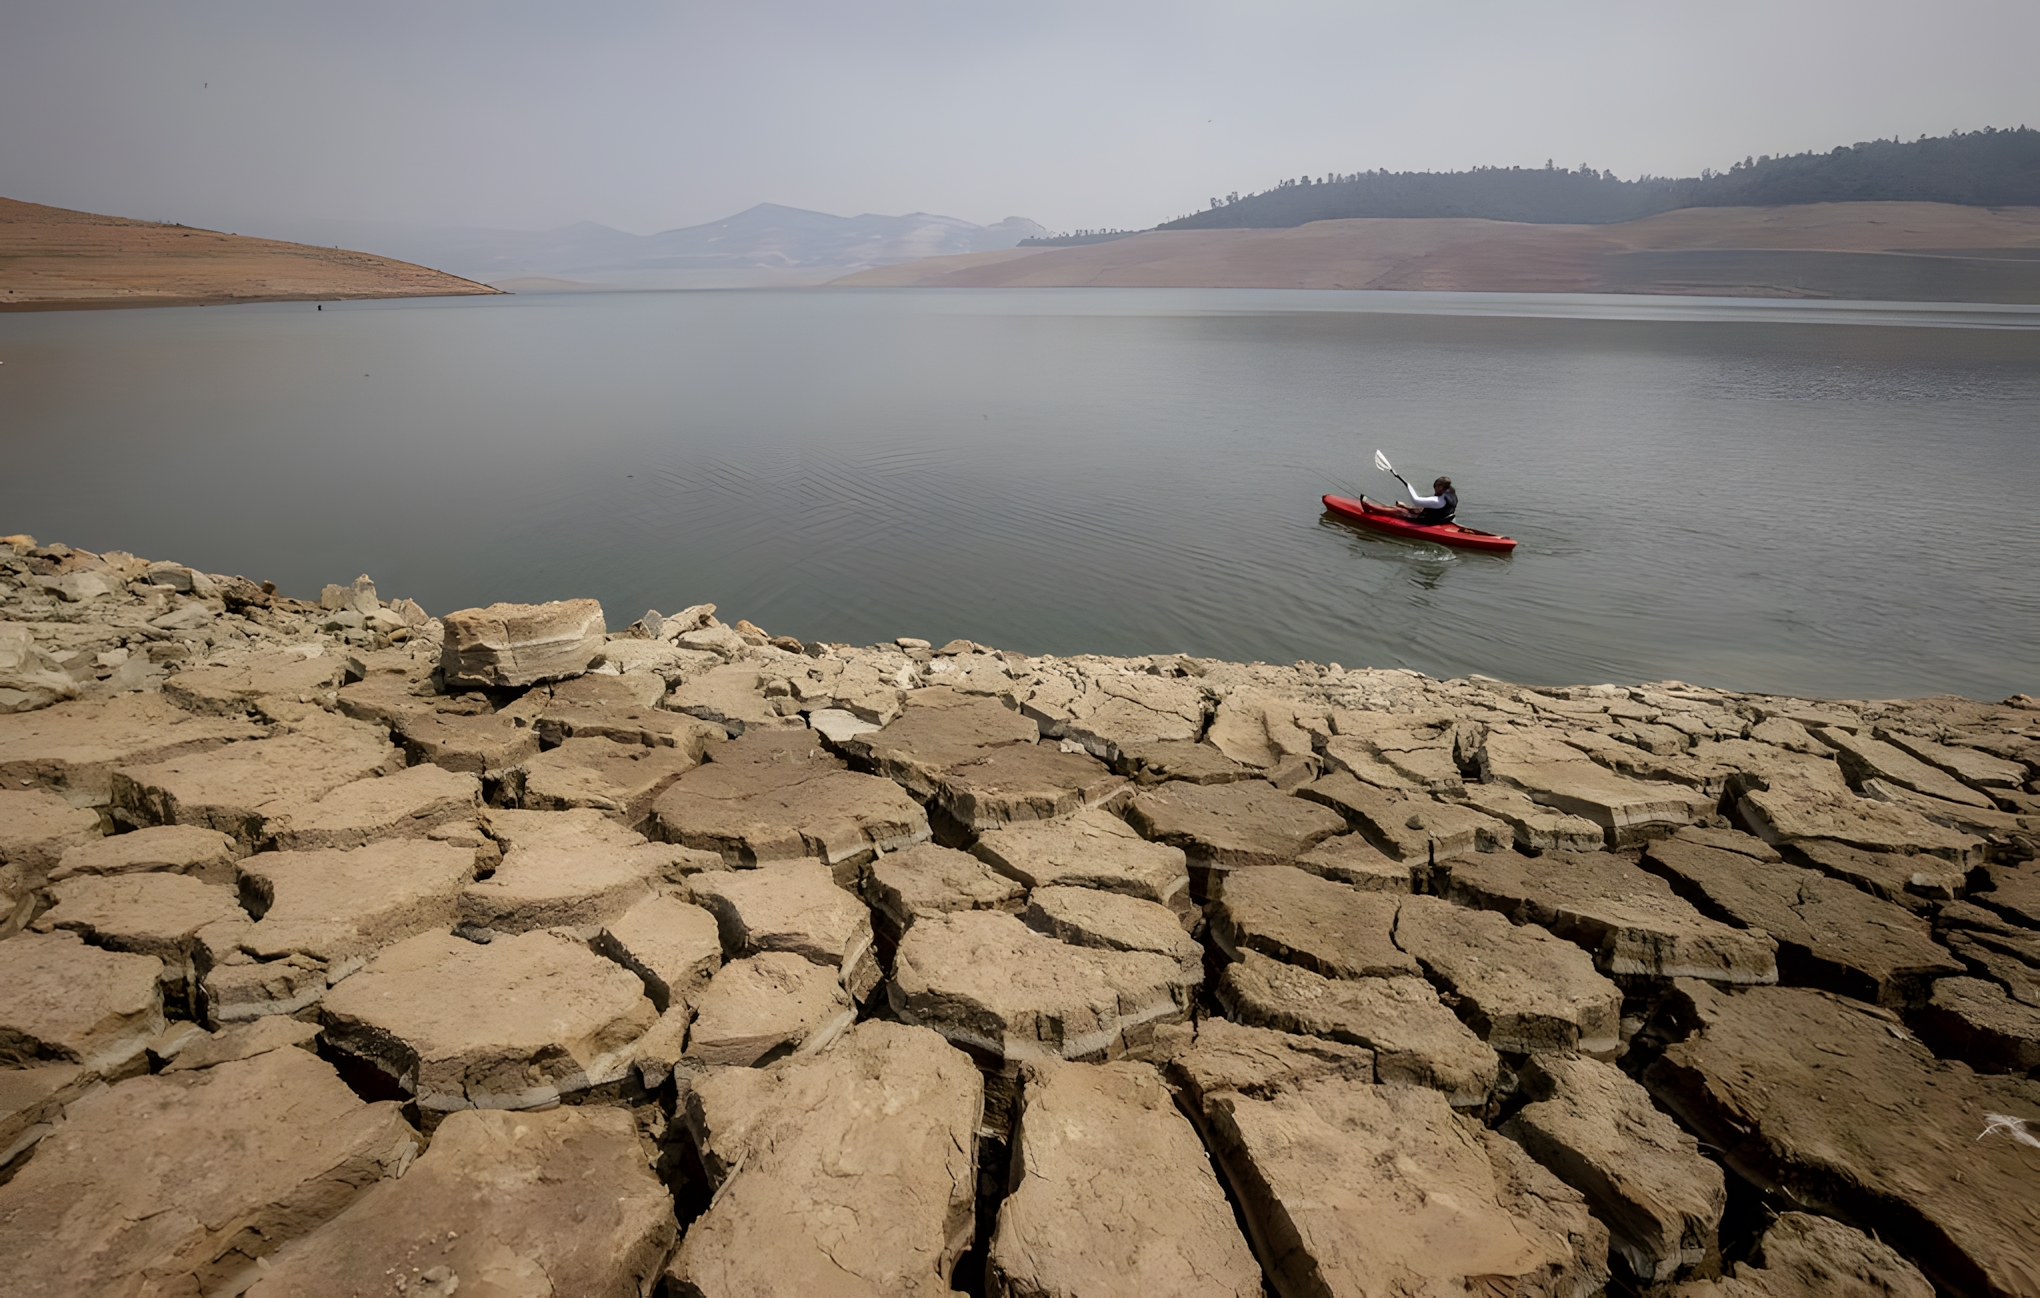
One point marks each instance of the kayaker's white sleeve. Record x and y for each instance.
(1428, 502)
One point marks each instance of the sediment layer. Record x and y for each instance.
(688, 959)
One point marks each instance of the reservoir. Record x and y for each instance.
(1838, 500)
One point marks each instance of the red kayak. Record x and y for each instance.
(1381, 519)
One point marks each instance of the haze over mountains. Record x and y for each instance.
(762, 246)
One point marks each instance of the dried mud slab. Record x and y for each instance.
(989, 983)
(1563, 778)
(1975, 1021)
(1092, 1145)
(73, 748)
(1310, 922)
(852, 1172)
(1352, 860)
(283, 684)
(178, 1184)
(1829, 933)
(1448, 1205)
(410, 804)
(500, 1202)
(1597, 1131)
(205, 854)
(320, 915)
(1415, 1039)
(1230, 826)
(1791, 815)
(939, 728)
(1113, 921)
(249, 789)
(793, 906)
(768, 1006)
(672, 945)
(1803, 1256)
(570, 868)
(1410, 827)
(513, 1024)
(929, 880)
(1092, 849)
(622, 779)
(1524, 991)
(62, 1001)
(159, 915)
(1629, 918)
(1831, 1103)
(777, 796)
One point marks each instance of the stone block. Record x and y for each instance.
(506, 645)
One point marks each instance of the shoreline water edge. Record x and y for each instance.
(348, 947)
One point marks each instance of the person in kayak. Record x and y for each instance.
(1439, 507)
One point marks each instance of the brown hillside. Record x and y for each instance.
(1897, 251)
(52, 258)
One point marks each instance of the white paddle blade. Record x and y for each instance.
(1381, 462)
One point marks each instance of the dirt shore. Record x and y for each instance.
(1885, 251)
(54, 259)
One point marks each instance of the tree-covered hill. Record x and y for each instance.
(1989, 168)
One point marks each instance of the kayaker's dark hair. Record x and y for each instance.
(1442, 484)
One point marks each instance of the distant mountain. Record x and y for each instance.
(1989, 168)
(764, 245)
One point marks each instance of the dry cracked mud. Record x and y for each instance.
(344, 948)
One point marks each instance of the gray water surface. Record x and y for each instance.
(1825, 499)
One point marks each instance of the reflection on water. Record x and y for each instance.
(1748, 494)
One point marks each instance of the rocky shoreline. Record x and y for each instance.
(348, 949)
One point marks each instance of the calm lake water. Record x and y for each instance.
(1827, 500)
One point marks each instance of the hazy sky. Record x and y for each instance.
(649, 116)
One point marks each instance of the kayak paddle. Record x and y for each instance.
(1381, 462)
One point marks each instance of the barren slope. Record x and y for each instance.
(51, 258)
(1916, 251)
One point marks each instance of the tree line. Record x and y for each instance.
(1987, 168)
